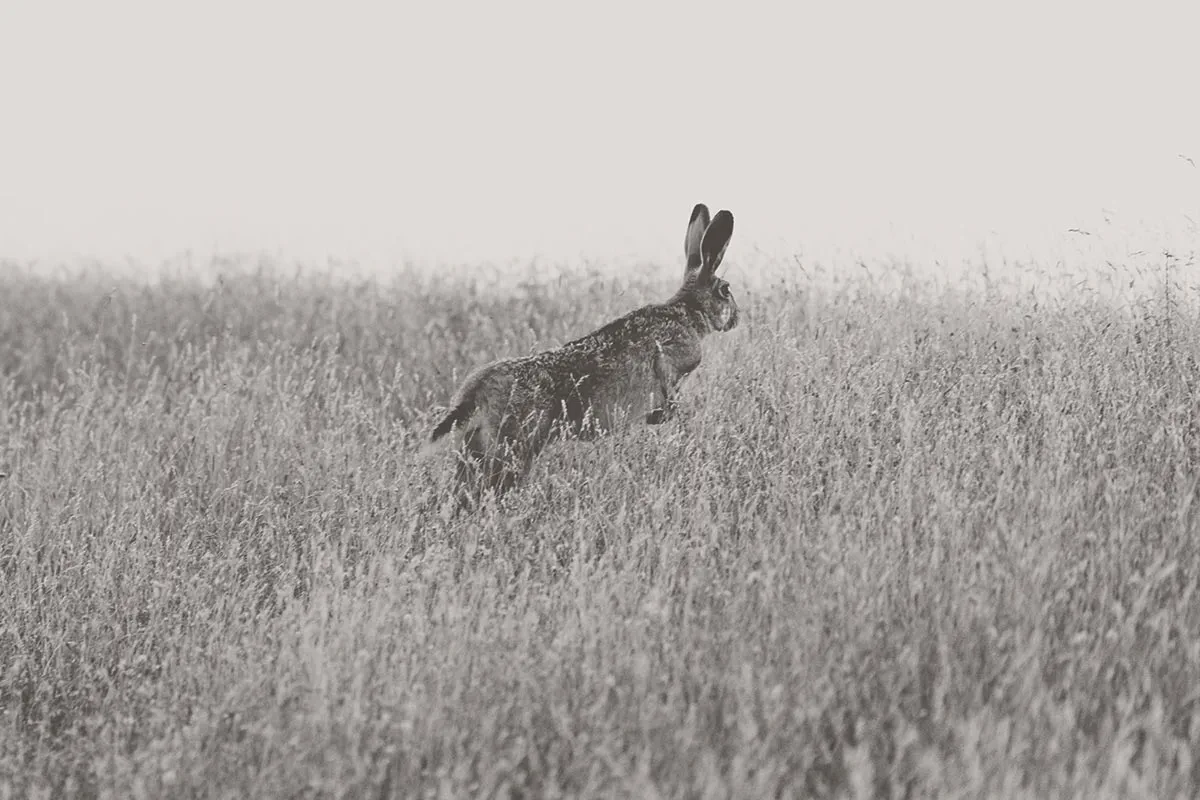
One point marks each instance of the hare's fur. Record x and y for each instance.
(627, 370)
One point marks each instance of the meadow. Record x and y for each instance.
(906, 538)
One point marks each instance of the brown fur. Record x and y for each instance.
(628, 369)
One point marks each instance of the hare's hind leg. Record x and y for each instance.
(472, 475)
(468, 477)
(488, 465)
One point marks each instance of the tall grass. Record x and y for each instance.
(899, 543)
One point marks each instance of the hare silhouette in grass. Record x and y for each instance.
(629, 369)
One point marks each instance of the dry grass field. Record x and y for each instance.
(904, 540)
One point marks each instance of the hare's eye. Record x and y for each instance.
(723, 291)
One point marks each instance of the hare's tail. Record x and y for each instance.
(457, 416)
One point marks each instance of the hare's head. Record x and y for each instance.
(704, 247)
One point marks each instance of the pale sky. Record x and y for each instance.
(497, 130)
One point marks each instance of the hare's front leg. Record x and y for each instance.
(674, 359)
(665, 381)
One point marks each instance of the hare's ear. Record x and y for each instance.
(691, 243)
(713, 243)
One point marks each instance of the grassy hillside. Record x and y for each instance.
(899, 543)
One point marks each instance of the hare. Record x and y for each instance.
(627, 370)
